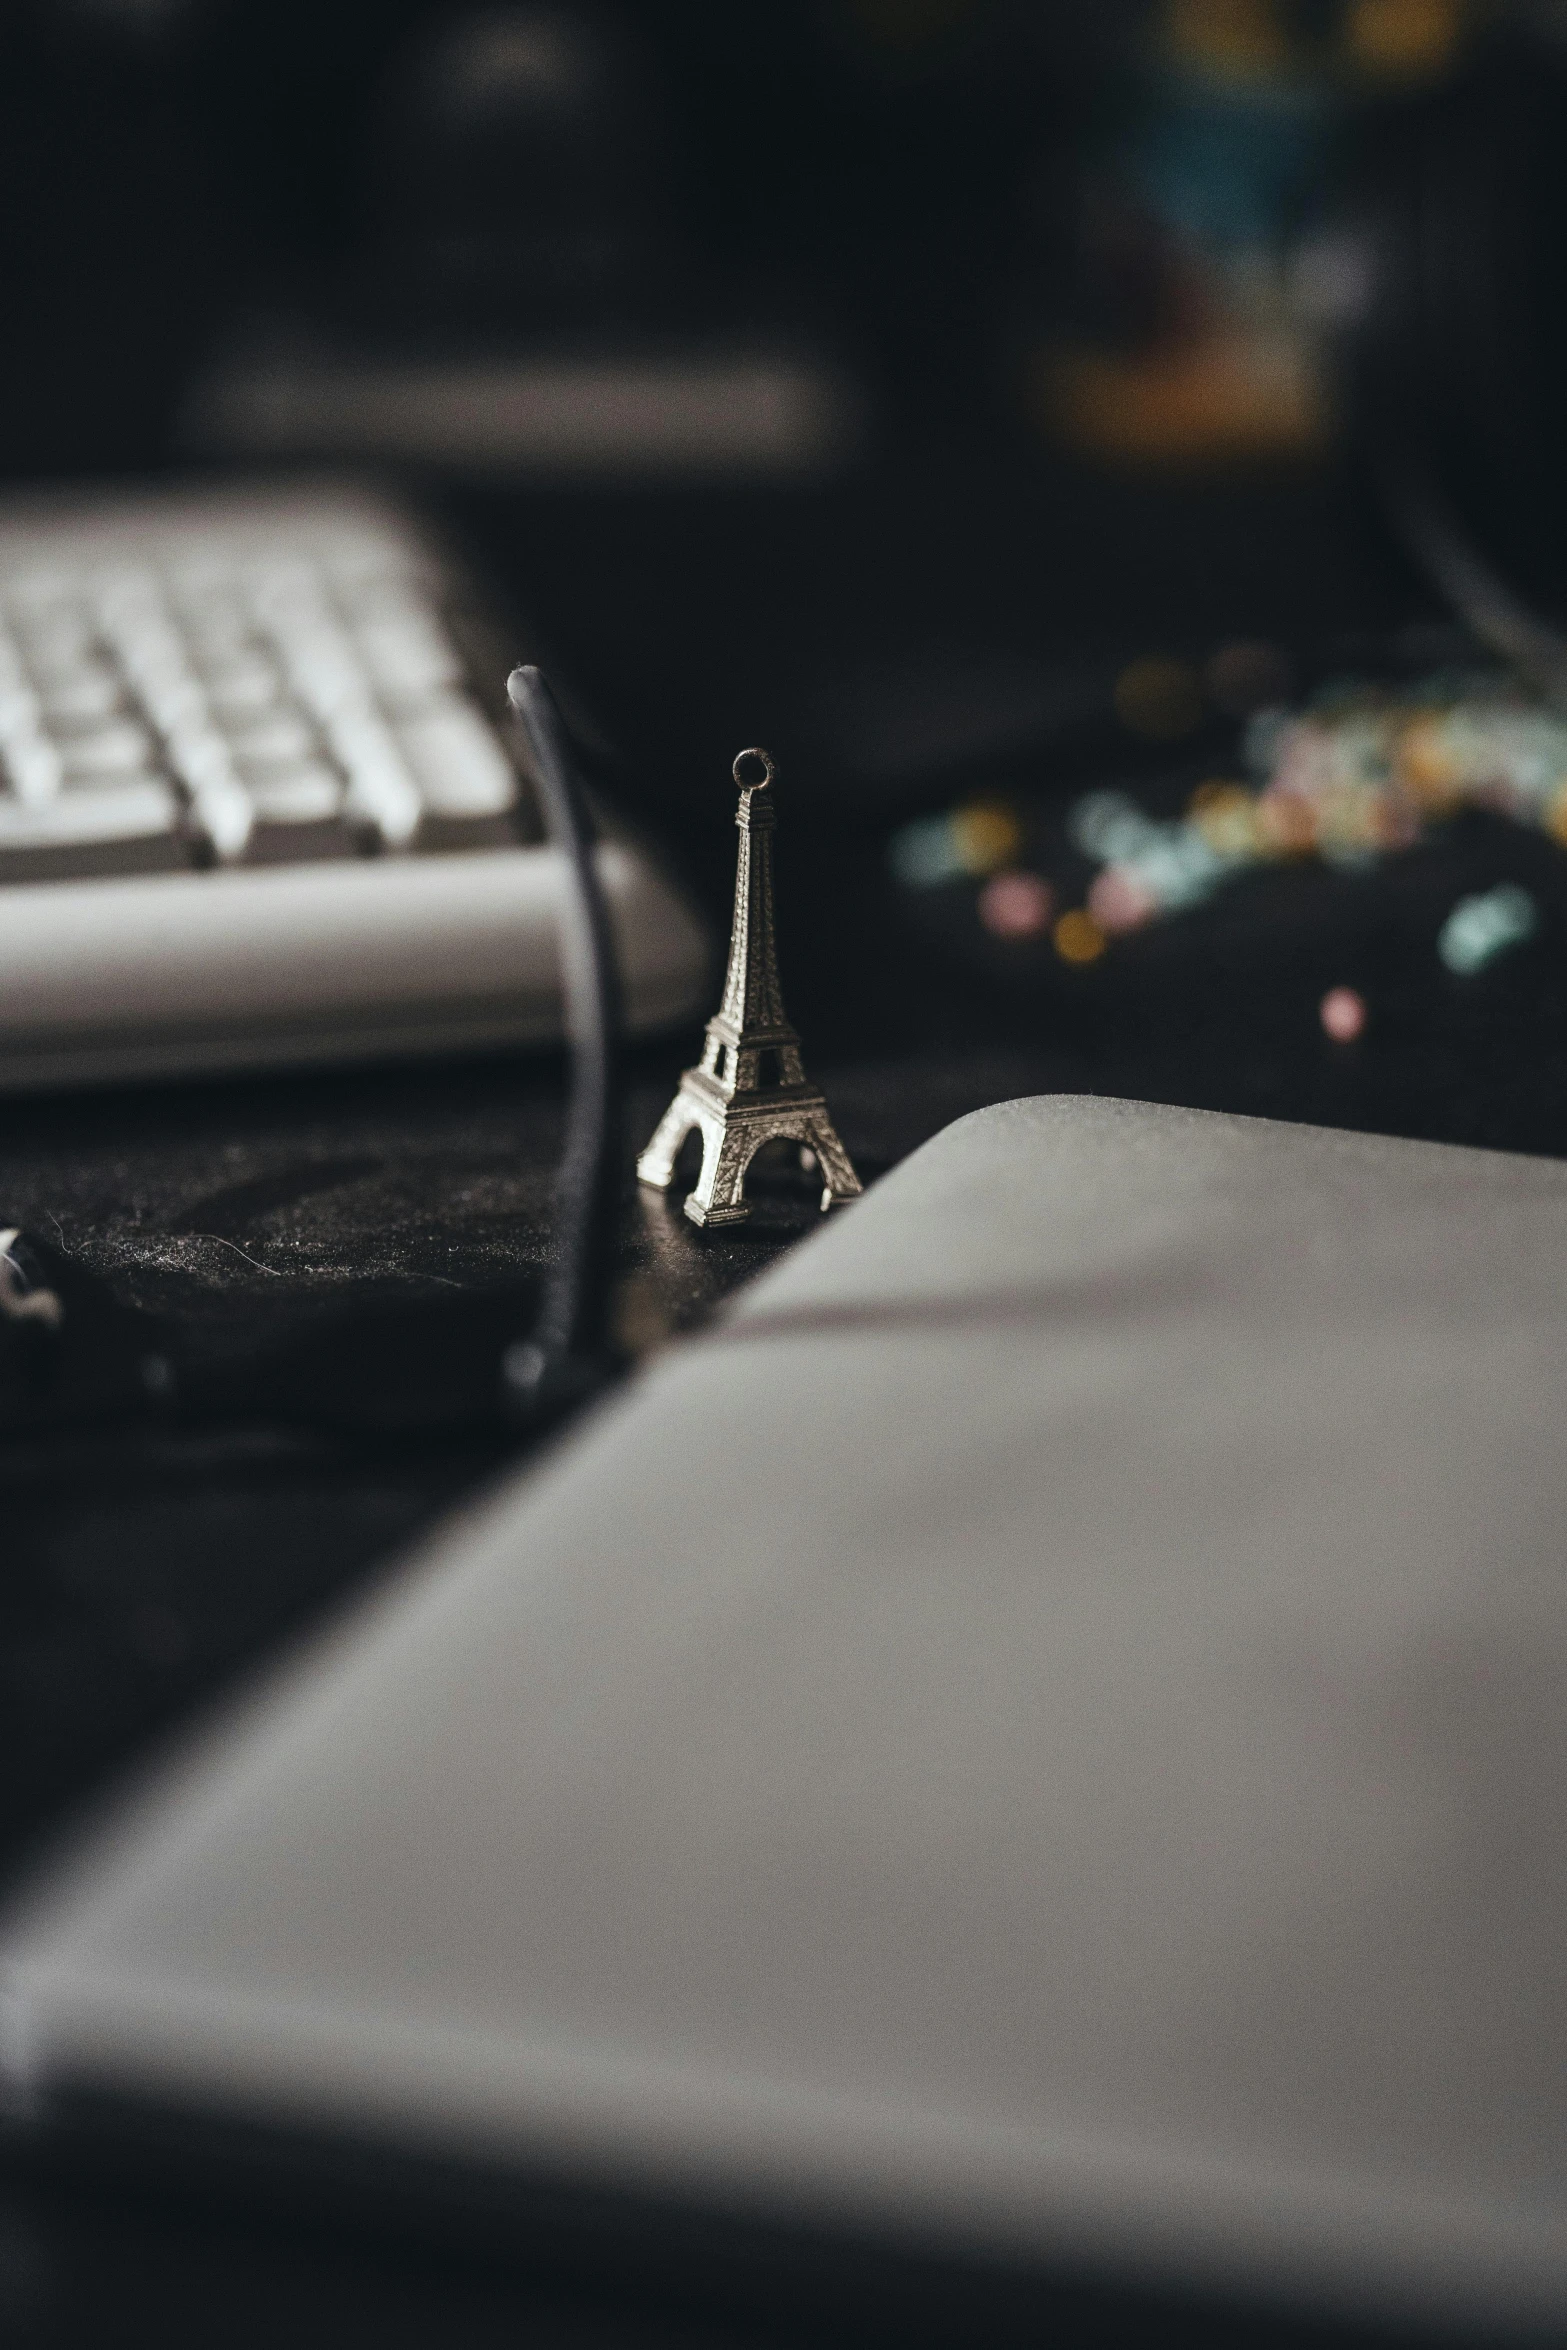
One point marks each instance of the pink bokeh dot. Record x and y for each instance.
(1343, 1014)
(1120, 901)
(1016, 905)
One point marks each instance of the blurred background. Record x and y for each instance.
(1108, 453)
(950, 393)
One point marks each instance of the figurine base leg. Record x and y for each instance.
(840, 1183)
(684, 1116)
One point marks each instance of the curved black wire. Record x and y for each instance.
(571, 1338)
(1496, 614)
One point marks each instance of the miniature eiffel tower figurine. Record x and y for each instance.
(749, 1088)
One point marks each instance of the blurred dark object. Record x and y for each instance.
(1201, 275)
(112, 232)
(767, 222)
(572, 237)
(517, 170)
(1454, 330)
(514, 291)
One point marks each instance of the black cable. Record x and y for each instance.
(1454, 354)
(570, 1345)
(1496, 614)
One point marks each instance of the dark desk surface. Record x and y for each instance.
(864, 636)
(140, 1570)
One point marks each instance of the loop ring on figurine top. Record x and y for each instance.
(755, 752)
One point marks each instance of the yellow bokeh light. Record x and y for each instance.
(1233, 37)
(1226, 815)
(1078, 938)
(1425, 765)
(985, 835)
(1403, 38)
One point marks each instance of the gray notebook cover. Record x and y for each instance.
(1042, 1736)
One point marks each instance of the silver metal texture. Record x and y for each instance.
(749, 1088)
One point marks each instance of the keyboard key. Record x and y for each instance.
(230, 674)
(209, 606)
(382, 793)
(364, 597)
(119, 749)
(324, 674)
(222, 814)
(467, 785)
(147, 642)
(32, 766)
(54, 647)
(177, 706)
(197, 752)
(220, 804)
(85, 698)
(21, 712)
(300, 816)
(281, 736)
(121, 593)
(285, 592)
(33, 594)
(408, 659)
(128, 827)
(241, 688)
(308, 794)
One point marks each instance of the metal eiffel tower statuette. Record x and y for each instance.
(749, 1088)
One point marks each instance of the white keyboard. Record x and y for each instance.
(257, 805)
